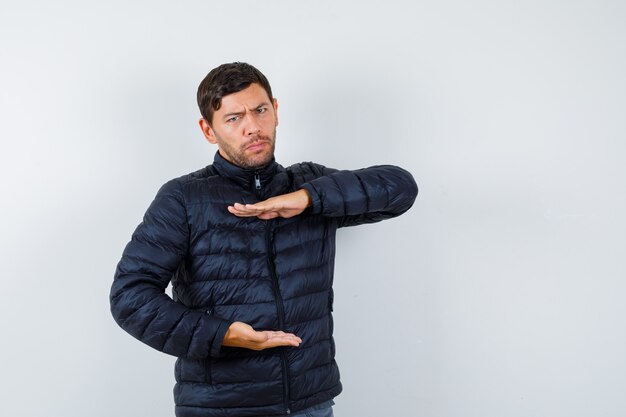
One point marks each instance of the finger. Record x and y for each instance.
(240, 213)
(266, 205)
(247, 208)
(282, 341)
(283, 338)
(240, 206)
(262, 215)
(288, 339)
(280, 333)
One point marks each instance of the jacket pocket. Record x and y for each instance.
(263, 367)
(192, 370)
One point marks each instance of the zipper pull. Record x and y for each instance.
(257, 181)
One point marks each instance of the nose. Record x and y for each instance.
(252, 127)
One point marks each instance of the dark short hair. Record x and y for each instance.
(224, 80)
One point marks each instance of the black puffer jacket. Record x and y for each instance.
(274, 274)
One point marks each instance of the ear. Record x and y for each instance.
(275, 103)
(207, 130)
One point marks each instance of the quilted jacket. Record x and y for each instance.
(272, 274)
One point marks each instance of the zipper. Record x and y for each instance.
(257, 180)
(280, 308)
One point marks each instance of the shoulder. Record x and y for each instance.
(181, 186)
(198, 175)
(201, 175)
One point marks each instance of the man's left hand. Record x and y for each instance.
(286, 205)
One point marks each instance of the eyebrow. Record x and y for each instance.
(236, 113)
(239, 113)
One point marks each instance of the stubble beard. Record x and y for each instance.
(254, 161)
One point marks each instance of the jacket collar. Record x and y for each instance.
(247, 178)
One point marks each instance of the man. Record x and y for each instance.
(249, 248)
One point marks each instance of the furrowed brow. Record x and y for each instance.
(231, 114)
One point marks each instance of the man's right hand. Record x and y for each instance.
(243, 335)
(285, 205)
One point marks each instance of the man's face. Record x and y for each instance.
(244, 127)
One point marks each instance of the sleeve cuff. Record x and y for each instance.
(316, 203)
(216, 346)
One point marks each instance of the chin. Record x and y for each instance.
(258, 161)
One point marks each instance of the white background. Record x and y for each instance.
(501, 293)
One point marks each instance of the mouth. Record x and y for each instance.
(257, 146)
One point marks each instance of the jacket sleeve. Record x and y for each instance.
(366, 195)
(138, 300)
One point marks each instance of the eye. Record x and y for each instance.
(232, 119)
(261, 110)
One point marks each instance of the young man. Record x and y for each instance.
(249, 248)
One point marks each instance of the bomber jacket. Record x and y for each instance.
(272, 274)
